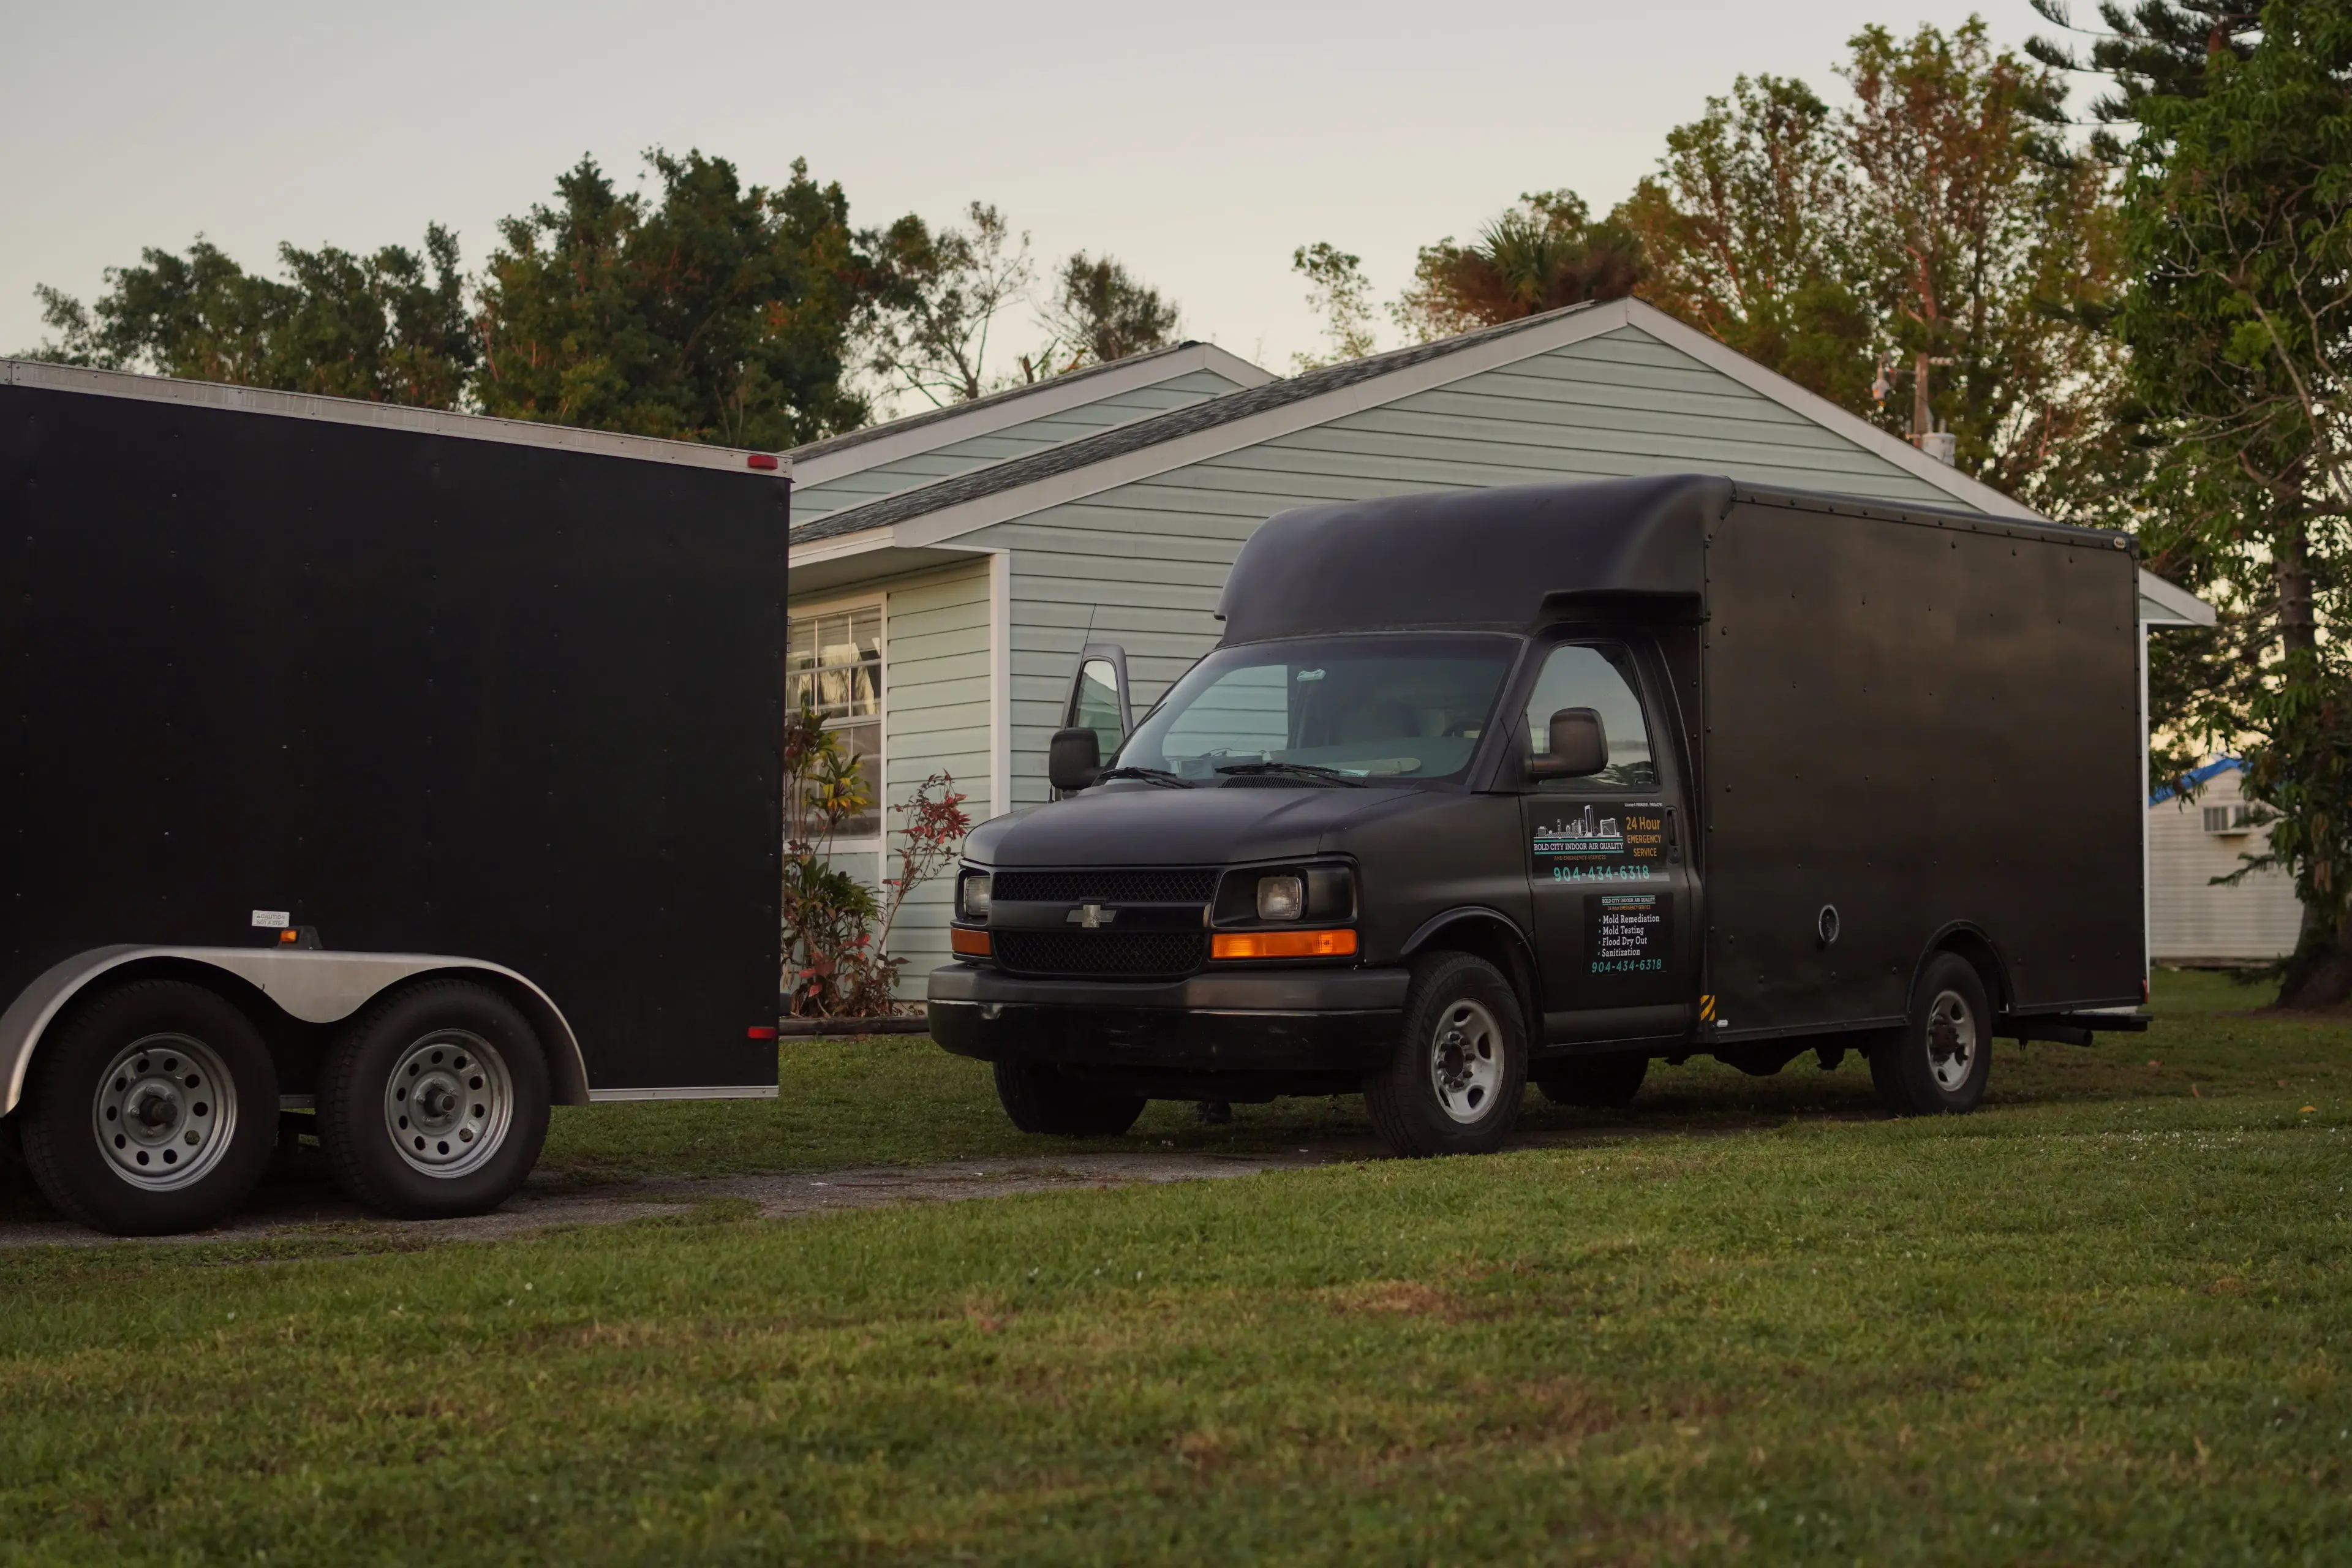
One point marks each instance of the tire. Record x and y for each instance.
(1937, 1063)
(1040, 1099)
(151, 1110)
(1454, 1084)
(1607, 1080)
(433, 1102)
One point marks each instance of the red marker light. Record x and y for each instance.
(764, 461)
(757, 1033)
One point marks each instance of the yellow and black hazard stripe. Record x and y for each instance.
(1705, 1009)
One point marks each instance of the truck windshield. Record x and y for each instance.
(1401, 707)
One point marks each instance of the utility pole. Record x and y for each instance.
(1923, 423)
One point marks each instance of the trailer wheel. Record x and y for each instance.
(1607, 1080)
(434, 1100)
(1938, 1062)
(1040, 1099)
(153, 1111)
(1454, 1084)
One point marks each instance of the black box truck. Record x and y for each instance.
(1540, 784)
(417, 769)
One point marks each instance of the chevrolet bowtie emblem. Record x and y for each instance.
(1094, 917)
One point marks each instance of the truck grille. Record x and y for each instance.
(1133, 956)
(1105, 885)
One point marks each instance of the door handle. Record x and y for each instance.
(1674, 840)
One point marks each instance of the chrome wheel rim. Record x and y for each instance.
(166, 1111)
(448, 1103)
(1953, 1040)
(1466, 1061)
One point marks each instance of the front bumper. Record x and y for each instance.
(1264, 1020)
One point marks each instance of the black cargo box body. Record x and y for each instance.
(484, 697)
(1926, 721)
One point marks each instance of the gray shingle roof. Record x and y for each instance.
(1123, 439)
(841, 443)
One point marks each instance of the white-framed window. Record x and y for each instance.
(2229, 819)
(834, 662)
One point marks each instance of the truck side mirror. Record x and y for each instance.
(1578, 746)
(1074, 760)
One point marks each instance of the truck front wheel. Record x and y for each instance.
(434, 1101)
(1937, 1063)
(153, 1110)
(1040, 1099)
(1454, 1084)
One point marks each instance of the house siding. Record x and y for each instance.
(1142, 565)
(889, 478)
(935, 714)
(2190, 920)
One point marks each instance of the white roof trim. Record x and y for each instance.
(1042, 401)
(2178, 606)
(381, 416)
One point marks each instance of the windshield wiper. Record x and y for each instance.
(1160, 777)
(1292, 770)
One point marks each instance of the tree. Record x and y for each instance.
(2156, 49)
(2237, 207)
(1100, 312)
(390, 327)
(710, 312)
(1745, 231)
(1338, 291)
(1545, 252)
(1936, 237)
(927, 330)
(1980, 243)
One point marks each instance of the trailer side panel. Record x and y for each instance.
(1924, 724)
(425, 693)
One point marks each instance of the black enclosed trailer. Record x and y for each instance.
(419, 767)
(1543, 782)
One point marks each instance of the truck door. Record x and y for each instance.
(1608, 870)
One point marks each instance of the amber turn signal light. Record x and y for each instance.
(1283, 945)
(968, 943)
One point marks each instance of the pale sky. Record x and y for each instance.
(1200, 144)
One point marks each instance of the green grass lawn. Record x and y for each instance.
(2105, 1320)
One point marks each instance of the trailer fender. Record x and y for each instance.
(318, 987)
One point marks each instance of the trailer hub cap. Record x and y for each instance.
(1952, 1040)
(448, 1102)
(1466, 1061)
(165, 1112)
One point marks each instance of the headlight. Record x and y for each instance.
(1281, 898)
(972, 899)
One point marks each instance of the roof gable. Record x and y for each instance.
(995, 494)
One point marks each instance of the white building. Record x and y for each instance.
(2192, 923)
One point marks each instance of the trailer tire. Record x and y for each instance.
(1040, 1099)
(1454, 1084)
(1938, 1062)
(151, 1110)
(1605, 1080)
(433, 1101)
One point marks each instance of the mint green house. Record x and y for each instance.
(947, 571)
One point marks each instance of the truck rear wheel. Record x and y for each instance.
(1938, 1062)
(1455, 1082)
(154, 1111)
(1607, 1080)
(1040, 1099)
(434, 1101)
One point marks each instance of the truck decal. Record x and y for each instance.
(1601, 841)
